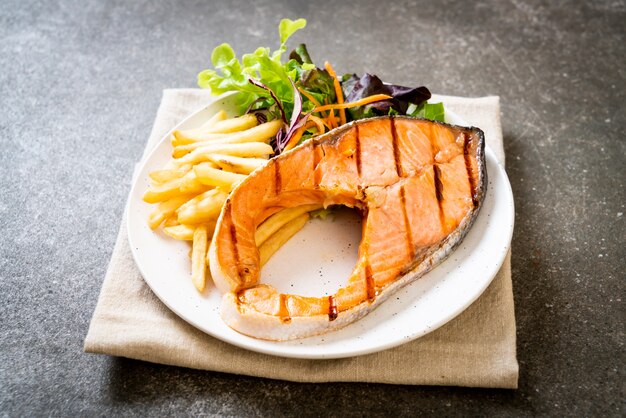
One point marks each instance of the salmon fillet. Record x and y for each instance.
(418, 184)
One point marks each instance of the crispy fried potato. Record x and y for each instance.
(204, 210)
(196, 199)
(191, 183)
(213, 205)
(275, 222)
(184, 232)
(242, 123)
(192, 203)
(278, 239)
(165, 175)
(166, 209)
(171, 221)
(180, 232)
(210, 176)
(249, 149)
(178, 140)
(162, 192)
(259, 133)
(198, 257)
(237, 124)
(237, 164)
(219, 116)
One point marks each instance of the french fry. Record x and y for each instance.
(277, 240)
(162, 192)
(165, 210)
(213, 205)
(180, 232)
(165, 175)
(184, 232)
(249, 149)
(178, 140)
(205, 210)
(190, 182)
(197, 199)
(210, 176)
(171, 221)
(237, 164)
(277, 221)
(198, 256)
(239, 124)
(219, 116)
(259, 133)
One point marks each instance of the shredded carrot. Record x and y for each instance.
(362, 102)
(329, 112)
(338, 91)
(318, 122)
(329, 122)
(295, 138)
(331, 118)
(308, 96)
(298, 134)
(310, 124)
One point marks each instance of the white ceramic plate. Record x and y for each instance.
(318, 260)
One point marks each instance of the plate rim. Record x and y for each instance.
(274, 348)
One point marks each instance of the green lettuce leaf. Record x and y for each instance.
(431, 111)
(288, 27)
(230, 74)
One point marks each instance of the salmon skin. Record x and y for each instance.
(419, 185)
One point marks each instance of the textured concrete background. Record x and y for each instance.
(80, 83)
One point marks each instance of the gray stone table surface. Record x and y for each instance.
(80, 83)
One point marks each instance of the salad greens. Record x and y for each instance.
(265, 66)
(432, 111)
(291, 90)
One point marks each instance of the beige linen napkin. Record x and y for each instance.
(477, 348)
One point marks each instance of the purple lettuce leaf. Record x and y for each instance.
(296, 122)
(271, 92)
(356, 88)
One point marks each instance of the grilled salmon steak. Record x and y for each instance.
(418, 184)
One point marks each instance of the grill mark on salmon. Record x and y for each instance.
(468, 167)
(357, 151)
(439, 193)
(317, 149)
(370, 285)
(438, 184)
(283, 311)
(410, 222)
(239, 300)
(407, 223)
(228, 215)
(332, 308)
(396, 150)
(278, 181)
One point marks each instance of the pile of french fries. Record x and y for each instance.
(208, 162)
